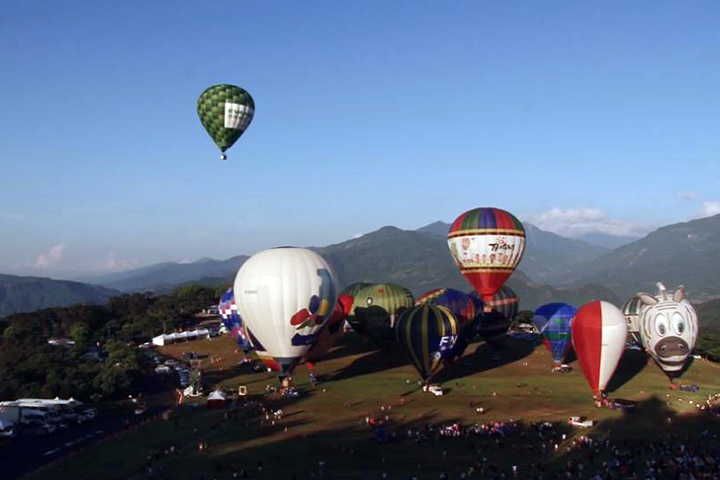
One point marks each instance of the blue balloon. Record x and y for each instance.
(553, 321)
(232, 321)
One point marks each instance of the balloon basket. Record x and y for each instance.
(223, 157)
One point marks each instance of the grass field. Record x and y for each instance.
(326, 423)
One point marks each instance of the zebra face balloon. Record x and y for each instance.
(668, 327)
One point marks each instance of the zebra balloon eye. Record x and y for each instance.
(678, 323)
(661, 325)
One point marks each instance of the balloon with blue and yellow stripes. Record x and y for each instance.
(429, 335)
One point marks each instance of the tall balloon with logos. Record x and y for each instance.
(487, 245)
(285, 295)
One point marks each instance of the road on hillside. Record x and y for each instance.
(26, 453)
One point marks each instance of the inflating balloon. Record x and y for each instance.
(492, 326)
(553, 321)
(429, 334)
(226, 112)
(377, 308)
(232, 321)
(330, 332)
(352, 290)
(459, 303)
(598, 334)
(487, 245)
(631, 311)
(284, 295)
(668, 328)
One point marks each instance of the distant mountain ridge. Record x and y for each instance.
(163, 277)
(553, 266)
(684, 253)
(548, 256)
(26, 294)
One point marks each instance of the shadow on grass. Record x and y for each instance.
(397, 446)
(376, 361)
(631, 363)
(486, 357)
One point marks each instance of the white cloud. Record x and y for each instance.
(13, 216)
(689, 196)
(573, 222)
(358, 235)
(51, 258)
(711, 208)
(112, 263)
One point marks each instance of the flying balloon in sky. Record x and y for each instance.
(285, 295)
(226, 112)
(487, 244)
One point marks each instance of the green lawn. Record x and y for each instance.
(326, 423)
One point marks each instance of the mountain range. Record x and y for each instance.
(554, 268)
(25, 294)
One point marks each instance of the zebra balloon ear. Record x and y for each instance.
(647, 299)
(679, 294)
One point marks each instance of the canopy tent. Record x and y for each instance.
(216, 399)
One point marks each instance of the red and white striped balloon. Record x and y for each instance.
(599, 332)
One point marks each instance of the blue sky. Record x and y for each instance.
(577, 116)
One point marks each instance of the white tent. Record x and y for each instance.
(216, 399)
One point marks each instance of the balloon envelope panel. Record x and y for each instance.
(285, 295)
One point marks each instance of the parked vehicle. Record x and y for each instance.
(85, 415)
(140, 409)
(44, 429)
(162, 369)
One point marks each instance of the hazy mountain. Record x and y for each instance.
(421, 261)
(163, 277)
(684, 253)
(548, 257)
(709, 316)
(25, 294)
(610, 242)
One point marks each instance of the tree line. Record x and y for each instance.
(104, 362)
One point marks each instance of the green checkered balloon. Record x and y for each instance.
(225, 111)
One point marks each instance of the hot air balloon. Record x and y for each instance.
(352, 290)
(226, 112)
(631, 311)
(492, 326)
(668, 328)
(330, 332)
(598, 334)
(284, 295)
(428, 334)
(553, 321)
(487, 244)
(232, 321)
(459, 303)
(377, 308)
